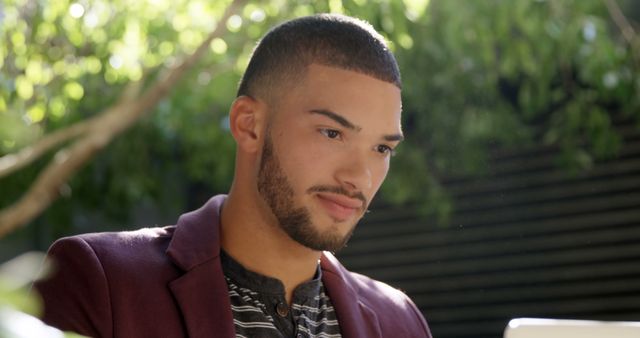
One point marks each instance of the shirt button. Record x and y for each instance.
(282, 309)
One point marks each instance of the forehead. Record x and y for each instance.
(359, 97)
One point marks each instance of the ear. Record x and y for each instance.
(246, 119)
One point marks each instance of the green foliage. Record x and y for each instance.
(18, 306)
(477, 75)
(17, 298)
(487, 74)
(65, 61)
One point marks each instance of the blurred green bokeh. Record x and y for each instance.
(18, 306)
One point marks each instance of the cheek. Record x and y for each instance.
(302, 163)
(378, 174)
(311, 151)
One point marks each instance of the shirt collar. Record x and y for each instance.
(268, 285)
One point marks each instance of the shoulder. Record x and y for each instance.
(395, 311)
(117, 243)
(375, 291)
(142, 249)
(101, 276)
(383, 298)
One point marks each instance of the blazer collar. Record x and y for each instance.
(356, 318)
(201, 292)
(197, 235)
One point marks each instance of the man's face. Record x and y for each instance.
(326, 153)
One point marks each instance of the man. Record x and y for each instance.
(316, 119)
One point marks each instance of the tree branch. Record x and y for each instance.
(98, 133)
(12, 162)
(625, 27)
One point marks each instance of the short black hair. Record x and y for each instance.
(285, 52)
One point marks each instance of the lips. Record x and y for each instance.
(339, 207)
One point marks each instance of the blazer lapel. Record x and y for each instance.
(201, 292)
(355, 318)
(204, 301)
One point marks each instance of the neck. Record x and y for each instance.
(251, 235)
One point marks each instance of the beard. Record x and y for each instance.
(277, 192)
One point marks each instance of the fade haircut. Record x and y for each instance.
(282, 57)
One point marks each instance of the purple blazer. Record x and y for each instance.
(168, 282)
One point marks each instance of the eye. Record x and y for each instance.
(385, 149)
(330, 133)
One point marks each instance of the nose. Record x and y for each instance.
(355, 173)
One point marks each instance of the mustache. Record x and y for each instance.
(339, 190)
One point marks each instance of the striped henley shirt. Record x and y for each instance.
(260, 309)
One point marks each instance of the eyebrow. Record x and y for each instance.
(393, 138)
(336, 117)
(347, 124)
